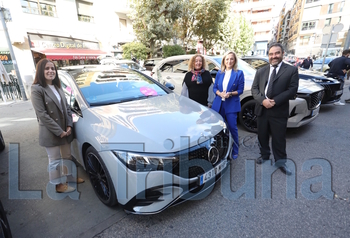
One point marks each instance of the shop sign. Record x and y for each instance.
(5, 57)
(63, 45)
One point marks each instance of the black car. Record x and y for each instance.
(5, 231)
(332, 87)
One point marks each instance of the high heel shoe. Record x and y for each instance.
(80, 180)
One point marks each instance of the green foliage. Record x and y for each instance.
(238, 34)
(153, 20)
(192, 52)
(170, 50)
(135, 49)
(209, 15)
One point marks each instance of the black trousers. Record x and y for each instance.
(276, 127)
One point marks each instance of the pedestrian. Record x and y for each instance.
(273, 86)
(307, 63)
(55, 122)
(229, 84)
(198, 83)
(338, 68)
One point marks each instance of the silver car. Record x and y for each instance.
(302, 110)
(142, 145)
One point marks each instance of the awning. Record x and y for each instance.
(70, 54)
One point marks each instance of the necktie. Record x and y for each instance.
(272, 79)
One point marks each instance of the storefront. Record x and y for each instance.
(64, 51)
(6, 60)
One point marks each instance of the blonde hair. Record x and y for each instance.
(193, 60)
(223, 66)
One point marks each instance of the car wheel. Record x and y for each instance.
(5, 230)
(247, 117)
(2, 142)
(99, 177)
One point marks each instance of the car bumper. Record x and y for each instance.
(300, 114)
(153, 191)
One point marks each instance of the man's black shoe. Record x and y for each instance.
(285, 170)
(260, 160)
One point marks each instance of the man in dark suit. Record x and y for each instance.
(307, 63)
(272, 88)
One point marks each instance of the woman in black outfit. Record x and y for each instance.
(198, 83)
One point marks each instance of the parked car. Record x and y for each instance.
(141, 144)
(318, 64)
(2, 142)
(5, 231)
(303, 109)
(332, 87)
(150, 63)
(128, 64)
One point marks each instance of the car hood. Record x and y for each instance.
(308, 86)
(160, 124)
(308, 74)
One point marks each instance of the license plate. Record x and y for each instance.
(339, 92)
(212, 173)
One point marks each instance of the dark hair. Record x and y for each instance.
(40, 74)
(276, 44)
(345, 52)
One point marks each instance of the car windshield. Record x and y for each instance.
(320, 60)
(115, 86)
(245, 67)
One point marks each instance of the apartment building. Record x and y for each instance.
(308, 18)
(68, 32)
(262, 15)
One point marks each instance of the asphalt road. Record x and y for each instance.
(319, 210)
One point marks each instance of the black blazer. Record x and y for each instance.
(285, 87)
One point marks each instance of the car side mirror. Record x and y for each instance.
(170, 86)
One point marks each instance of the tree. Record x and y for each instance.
(153, 20)
(170, 50)
(209, 15)
(238, 34)
(184, 26)
(135, 49)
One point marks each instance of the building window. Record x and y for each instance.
(328, 22)
(330, 8)
(311, 1)
(304, 40)
(122, 25)
(85, 11)
(308, 25)
(40, 7)
(339, 19)
(341, 6)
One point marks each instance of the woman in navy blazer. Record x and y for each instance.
(229, 84)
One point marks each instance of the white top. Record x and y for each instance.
(271, 70)
(226, 80)
(54, 90)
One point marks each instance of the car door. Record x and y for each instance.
(173, 72)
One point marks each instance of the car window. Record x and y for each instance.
(241, 65)
(115, 86)
(172, 66)
(258, 63)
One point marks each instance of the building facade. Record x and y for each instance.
(68, 32)
(304, 31)
(263, 16)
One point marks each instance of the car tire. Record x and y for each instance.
(99, 177)
(5, 230)
(2, 142)
(247, 117)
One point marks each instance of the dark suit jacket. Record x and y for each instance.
(236, 83)
(285, 87)
(54, 117)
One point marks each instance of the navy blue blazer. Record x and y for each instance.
(236, 83)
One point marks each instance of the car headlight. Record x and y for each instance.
(317, 80)
(144, 162)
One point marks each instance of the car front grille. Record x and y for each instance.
(313, 100)
(196, 161)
